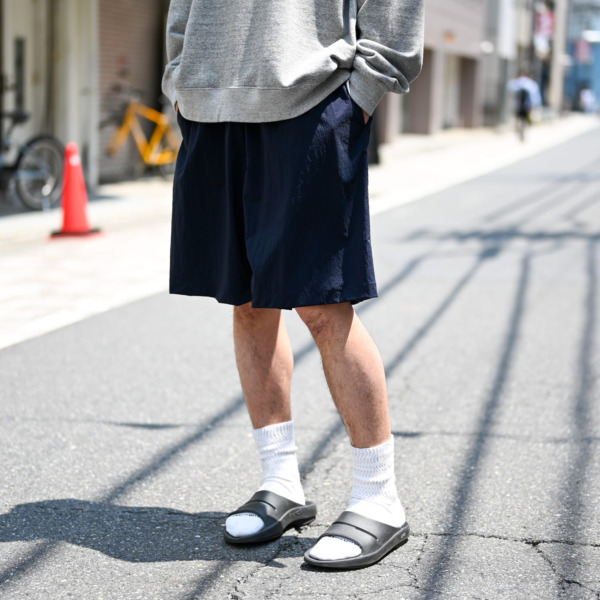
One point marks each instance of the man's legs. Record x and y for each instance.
(356, 379)
(265, 362)
(351, 361)
(354, 371)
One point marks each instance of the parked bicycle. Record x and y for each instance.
(37, 169)
(160, 148)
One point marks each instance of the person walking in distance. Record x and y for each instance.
(270, 212)
(527, 97)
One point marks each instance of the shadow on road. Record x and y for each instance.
(561, 186)
(137, 535)
(133, 534)
(476, 453)
(129, 533)
(572, 497)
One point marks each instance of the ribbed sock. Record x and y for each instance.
(277, 451)
(374, 495)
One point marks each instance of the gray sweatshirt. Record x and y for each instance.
(267, 60)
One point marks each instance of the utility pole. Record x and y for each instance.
(557, 67)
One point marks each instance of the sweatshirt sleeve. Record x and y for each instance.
(389, 49)
(179, 11)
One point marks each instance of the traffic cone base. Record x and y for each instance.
(95, 231)
(74, 198)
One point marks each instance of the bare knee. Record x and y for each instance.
(327, 321)
(248, 317)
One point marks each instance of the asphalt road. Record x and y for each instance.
(125, 439)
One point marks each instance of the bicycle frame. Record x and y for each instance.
(7, 144)
(150, 150)
(8, 169)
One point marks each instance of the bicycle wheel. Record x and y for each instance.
(39, 173)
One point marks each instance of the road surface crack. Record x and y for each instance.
(562, 580)
(411, 569)
(284, 543)
(528, 541)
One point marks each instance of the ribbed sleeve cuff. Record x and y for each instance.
(366, 91)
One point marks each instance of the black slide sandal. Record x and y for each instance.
(278, 514)
(375, 539)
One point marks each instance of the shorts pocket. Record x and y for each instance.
(183, 125)
(357, 110)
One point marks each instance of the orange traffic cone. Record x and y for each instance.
(75, 198)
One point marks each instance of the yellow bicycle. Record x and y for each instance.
(160, 149)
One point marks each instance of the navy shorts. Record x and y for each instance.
(275, 213)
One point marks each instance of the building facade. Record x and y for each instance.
(499, 57)
(73, 64)
(131, 42)
(62, 59)
(583, 46)
(50, 61)
(449, 91)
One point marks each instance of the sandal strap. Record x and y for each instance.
(367, 533)
(270, 507)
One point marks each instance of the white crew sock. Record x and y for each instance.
(277, 451)
(374, 495)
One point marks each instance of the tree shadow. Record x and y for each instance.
(504, 235)
(582, 206)
(583, 175)
(529, 200)
(127, 533)
(461, 501)
(573, 499)
(132, 534)
(571, 496)
(441, 309)
(98, 525)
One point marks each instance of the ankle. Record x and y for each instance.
(390, 514)
(374, 494)
(277, 449)
(288, 489)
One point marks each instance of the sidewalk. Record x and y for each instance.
(45, 285)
